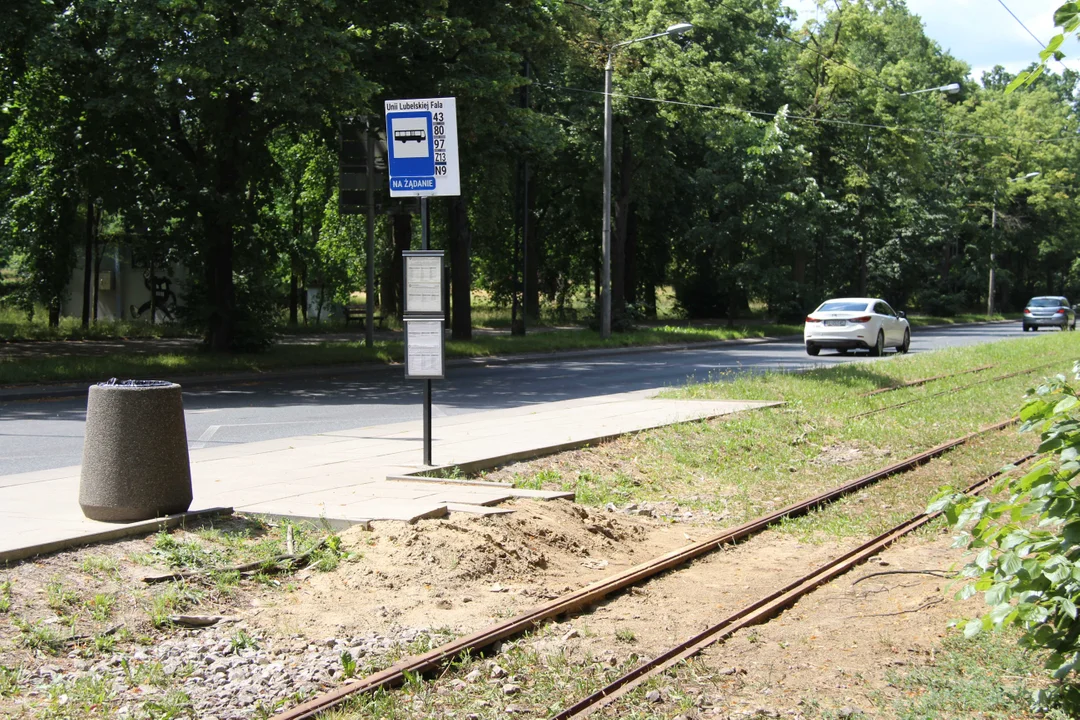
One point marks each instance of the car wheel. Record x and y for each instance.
(1026, 328)
(906, 345)
(1034, 328)
(879, 347)
(812, 349)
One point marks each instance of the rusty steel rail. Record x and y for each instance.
(923, 381)
(756, 613)
(593, 593)
(1006, 376)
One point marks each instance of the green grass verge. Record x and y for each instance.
(73, 368)
(15, 371)
(741, 466)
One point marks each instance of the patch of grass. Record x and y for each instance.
(100, 565)
(101, 607)
(38, 636)
(5, 596)
(988, 676)
(175, 704)
(241, 641)
(10, 680)
(625, 635)
(84, 696)
(188, 554)
(59, 597)
(173, 598)
(743, 465)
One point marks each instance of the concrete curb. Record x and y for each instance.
(73, 390)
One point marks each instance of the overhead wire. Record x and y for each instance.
(829, 121)
(1028, 30)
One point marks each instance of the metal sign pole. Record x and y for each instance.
(369, 335)
(422, 160)
(427, 383)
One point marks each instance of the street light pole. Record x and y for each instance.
(993, 234)
(605, 274)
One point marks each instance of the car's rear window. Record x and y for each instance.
(1044, 302)
(842, 307)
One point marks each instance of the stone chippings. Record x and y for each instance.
(228, 684)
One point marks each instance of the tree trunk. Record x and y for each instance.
(532, 259)
(88, 261)
(630, 279)
(618, 240)
(402, 241)
(54, 314)
(99, 253)
(294, 292)
(221, 292)
(460, 271)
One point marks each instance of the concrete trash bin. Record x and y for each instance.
(135, 456)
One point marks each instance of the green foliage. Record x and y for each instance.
(59, 597)
(5, 596)
(348, 664)
(101, 607)
(1027, 538)
(10, 678)
(241, 641)
(776, 178)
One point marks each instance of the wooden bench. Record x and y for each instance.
(359, 313)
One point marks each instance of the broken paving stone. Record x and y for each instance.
(497, 588)
(571, 634)
(511, 689)
(473, 676)
(497, 672)
(653, 696)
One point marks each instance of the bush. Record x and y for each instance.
(1028, 561)
(932, 302)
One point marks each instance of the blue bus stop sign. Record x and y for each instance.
(421, 139)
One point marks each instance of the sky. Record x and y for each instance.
(982, 33)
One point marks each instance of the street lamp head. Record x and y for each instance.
(1025, 177)
(951, 89)
(678, 29)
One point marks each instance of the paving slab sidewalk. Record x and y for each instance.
(344, 477)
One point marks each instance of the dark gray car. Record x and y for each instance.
(1049, 310)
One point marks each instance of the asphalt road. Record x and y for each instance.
(44, 434)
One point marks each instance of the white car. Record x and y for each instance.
(852, 323)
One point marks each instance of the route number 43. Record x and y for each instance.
(437, 117)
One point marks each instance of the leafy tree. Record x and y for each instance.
(1028, 561)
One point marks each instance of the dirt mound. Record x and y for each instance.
(462, 572)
